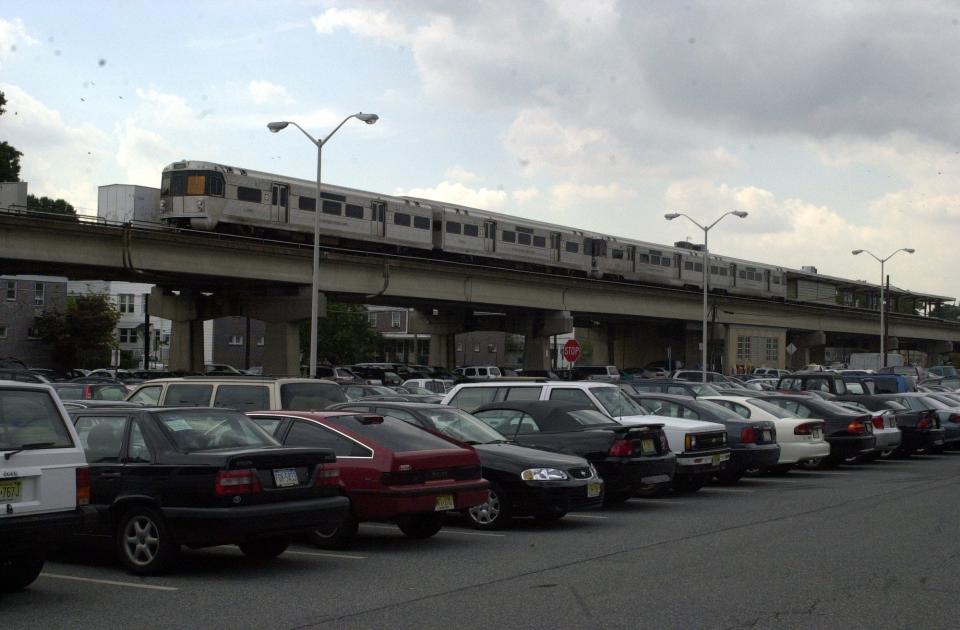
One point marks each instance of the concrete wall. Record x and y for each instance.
(748, 347)
(19, 307)
(230, 341)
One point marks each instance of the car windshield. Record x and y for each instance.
(718, 410)
(774, 410)
(419, 390)
(703, 389)
(460, 425)
(206, 430)
(591, 417)
(934, 403)
(307, 396)
(30, 419)
(616, 403)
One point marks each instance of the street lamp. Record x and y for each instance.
(740, 214)
(275, 127)
(883, 303)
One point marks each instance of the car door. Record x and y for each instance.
(141, 474)
(102, 438)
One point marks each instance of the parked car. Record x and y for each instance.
(696, 376)
(671, 386)
(20, 375)
(479, 372)
(523, 481)
(920, 429)
(885, 430)
(221, 369)
(850, 434)
(814, 381)
(771, 372)
(632, 461)
(947, 410)
(98, 404)
(117, 374)
(44, 480)
(752, 442)
(359, 391)
(549, 375)
(608, 373)
(701, 447)
(914, 371)
(91, 391)
(437, 386)
(339, 375)
(943, 370)
(242, 393)
(800, 439)
(389, 470)
(371, 375)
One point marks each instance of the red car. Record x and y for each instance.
(389, 469)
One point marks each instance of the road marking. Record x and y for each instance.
(442, 531)
(822, 472)
(711, 490)
(151, 587)
(325, 555)
(655, 501)
(585, 516)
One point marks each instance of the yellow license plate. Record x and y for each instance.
(444, 502)
(593, 490)
(647, 446)
(716, 460)
(11, 491)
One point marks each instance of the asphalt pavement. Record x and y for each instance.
(868, 546)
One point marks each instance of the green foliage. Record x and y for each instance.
(50, 206)
(343, 337)
(9, 163)
(83, 336)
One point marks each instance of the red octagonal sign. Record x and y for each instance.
(571, 351)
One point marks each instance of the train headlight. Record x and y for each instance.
(163, 204)
(199, 204)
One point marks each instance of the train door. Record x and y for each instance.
(489, 236)
(632, 258)
(279, 203)
(378, 218)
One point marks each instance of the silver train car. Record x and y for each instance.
(208, 196)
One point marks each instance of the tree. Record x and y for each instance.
(50, 206)
(9, 156)
(344, 336)
(83, 336)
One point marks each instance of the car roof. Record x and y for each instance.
(24, 385)
(535, 407)
(236, 378)
(675, 397)
(397, 403)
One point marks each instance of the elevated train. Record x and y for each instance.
(207, 196)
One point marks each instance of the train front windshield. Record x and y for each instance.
(191, 184)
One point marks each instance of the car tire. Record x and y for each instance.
(890, 453)
(144, 544)
(728, 477)
(689, 484)
(421, 526)
(495, 513)
(339, 537)
(264, 548)
(18, 573)
(780, 470)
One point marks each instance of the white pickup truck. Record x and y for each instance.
(44, 480)
(701, 447)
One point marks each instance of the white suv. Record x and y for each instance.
(44, 480)
(701, 447)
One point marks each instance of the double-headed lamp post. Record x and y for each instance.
(740, 214)
(315, 275)
(883, 303)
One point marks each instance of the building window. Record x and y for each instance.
(460, 347)
(3, 332)
(236, 340)
(372, 319)
(11, 290)
(395, 319)
(743, 349)
(260, 342)
(38, 294)
(33, 332)
(128, 335)
(491, 347)
(125, 303)
(476, 347)
(773, 349)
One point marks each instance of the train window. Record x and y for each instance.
(714, 270)
(698, 267)
(470, 230)
(743, 275)
(539, 241)
(249, 194)
(508, 236)
(723, 271)
(523, 238)
(196, 184)
(688, 265)
(644, 258)
(572, 247)
(617, 254)
(215, 185)
(664, 262)
(333, 197)
(775, 279)
(655, 260)
(401, 218)
(354, 212)
(421, 222)
(453, 227)
(332, 207)
(307, 203)
(525, 230)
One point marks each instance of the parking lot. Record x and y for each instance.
(873, 545)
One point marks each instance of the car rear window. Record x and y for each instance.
(188, 396)
(30, 419)
(73, 392)
(212, 429)
(469, 398)
(394, 434)
(242, 397)
(307, 396)
(775, 410)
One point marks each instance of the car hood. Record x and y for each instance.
(515, 457)
(668, 422)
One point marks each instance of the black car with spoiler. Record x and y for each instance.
(920, 428)
(165, 477)
(850, 434)
(632, 460)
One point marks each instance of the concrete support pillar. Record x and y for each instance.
(536, 353)
(442, 350)
(538, 328)
(281, 356)
(186, 346)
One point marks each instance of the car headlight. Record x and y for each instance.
(690, 441)
(724, 438)
(543, 474)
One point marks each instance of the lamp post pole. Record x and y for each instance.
(883, 299)
(315, 272)
(740, 214)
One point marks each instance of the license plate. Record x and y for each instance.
(717, 459)
(444, 502)
(285, 477)
(11, 491)
(767, 435)
(593, 490)
(816, 434)
(648, 446)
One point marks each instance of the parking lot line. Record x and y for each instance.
(585, 516)
(325, 555)
(823, 472)
(712, 490)
(151, 587)
(445, 530)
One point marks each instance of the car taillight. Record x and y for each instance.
(87, 393)
(232, 482)
(748, 435)
(664, 444)
(955, 417)
(327, 475)
(857, 427)
(83, 486)
(622, 448)
(924, 423)
(878, 421)
(804, 429)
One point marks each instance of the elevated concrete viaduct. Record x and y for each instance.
(266, 279)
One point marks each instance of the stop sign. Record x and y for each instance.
(571, 351)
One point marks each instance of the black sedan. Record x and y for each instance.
(850, 434)
(523, 481)
(753, 443)
(632, 460)
(162, 478)
(920, 427)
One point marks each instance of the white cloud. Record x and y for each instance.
(460, 175)
(525, 195)
(142, 154)
(373, 24)
(165, 110)
(457, 193)
(264, 92)
(13, 35)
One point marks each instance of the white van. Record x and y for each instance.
(479, 372)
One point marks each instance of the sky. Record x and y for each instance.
(834, 124)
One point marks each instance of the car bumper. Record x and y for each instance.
(917, 440)
(797, 452)
(235, 524)
(624, 474)
(698, 463)
(889, 439)
(391, 502)
(546, 498)
(25, 534)
(951, 433)
(753, 456)
(851, 445)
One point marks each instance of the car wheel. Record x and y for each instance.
(144, 544)
(264, 548)
(779, 470)
(421, 526)
(728, 476)
(689, 484)
(338, 536)
(888, 454)
(18, 573)
(495, 513)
